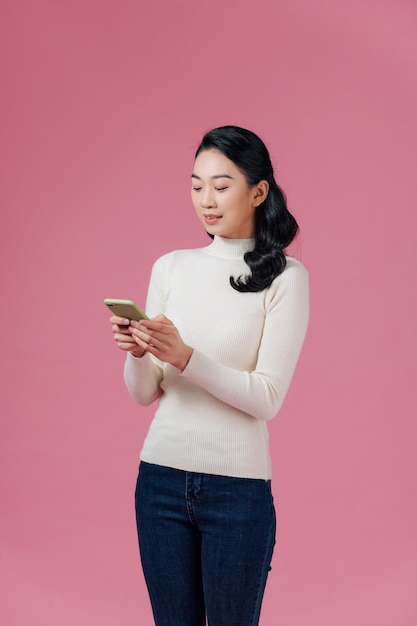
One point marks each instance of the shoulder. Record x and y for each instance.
(294, 270)
(292, 283)
(166, 261)
(293, 263)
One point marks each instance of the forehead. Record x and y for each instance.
(213, 163)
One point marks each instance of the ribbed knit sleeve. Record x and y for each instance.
(260, 392)
(143, 376)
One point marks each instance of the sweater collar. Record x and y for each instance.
(230, 248)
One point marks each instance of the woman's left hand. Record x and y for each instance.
(160, 337)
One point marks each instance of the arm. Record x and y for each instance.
(143, 375)
(261, 392)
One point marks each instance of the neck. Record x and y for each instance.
(230, 248)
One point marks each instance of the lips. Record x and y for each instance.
(211, 219)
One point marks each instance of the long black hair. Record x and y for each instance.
(275, 227)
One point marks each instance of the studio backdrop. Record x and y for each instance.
(103, 105)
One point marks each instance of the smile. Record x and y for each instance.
(211, 219)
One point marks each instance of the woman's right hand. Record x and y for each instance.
(122, 336)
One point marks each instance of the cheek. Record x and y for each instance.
(249, 214)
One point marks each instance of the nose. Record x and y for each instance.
(207, 198)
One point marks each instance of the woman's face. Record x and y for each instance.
(223, 201)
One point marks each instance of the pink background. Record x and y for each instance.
(103, 104)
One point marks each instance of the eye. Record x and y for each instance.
(196, 188)
(221, 188)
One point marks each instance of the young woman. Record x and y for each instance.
(227, 325)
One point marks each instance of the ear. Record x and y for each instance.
(260, 192)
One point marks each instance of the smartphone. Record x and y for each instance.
(125, 308)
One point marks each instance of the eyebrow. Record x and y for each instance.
(214, 177)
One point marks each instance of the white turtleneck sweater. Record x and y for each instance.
(212, 417)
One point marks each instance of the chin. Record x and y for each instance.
(211, 230)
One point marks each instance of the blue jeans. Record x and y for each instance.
(206, 545)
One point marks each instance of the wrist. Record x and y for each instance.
(137, 354)
(184, 362)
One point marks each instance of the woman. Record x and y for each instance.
(227, 325)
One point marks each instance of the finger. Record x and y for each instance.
(148, 340)
(120, 321)
(142, 337)
(124, 339)
(116, 328)
(123, 334)
(153, 327)
(142, 344)
(152, 333)
(126, 345)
